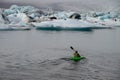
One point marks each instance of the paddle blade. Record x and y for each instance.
(71, 47)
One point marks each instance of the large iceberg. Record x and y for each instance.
(68, 24)
(17, 22)
(24, 17)
(18, 17)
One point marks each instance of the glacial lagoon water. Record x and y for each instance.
(44, 55)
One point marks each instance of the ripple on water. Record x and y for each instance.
(62, 68)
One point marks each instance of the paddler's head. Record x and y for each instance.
(76, 51)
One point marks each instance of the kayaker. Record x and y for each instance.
(76, 54)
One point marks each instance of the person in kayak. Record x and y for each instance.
(76, 54)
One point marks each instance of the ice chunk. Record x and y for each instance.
(3, 18)
(4, 27)
(65, 15)
(63, 23)
(16, 18)
(22, 9)
(9, 11)
(69, 24)
(107, 16)
(111, 22)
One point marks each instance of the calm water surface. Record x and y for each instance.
(43, 55)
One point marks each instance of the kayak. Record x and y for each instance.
(77, 58)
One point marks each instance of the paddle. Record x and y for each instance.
(78, 58)
(72, 48)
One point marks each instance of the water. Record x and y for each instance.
(43, 55)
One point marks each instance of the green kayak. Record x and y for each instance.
(77, 58)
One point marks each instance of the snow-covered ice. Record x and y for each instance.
(24, 16)
(68, 24)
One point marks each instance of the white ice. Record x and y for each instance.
(68, 23)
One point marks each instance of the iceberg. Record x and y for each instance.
(21, 9)
(10, 27)
(26, 17)
(3, 18)
(114, 22)
(68, 24)
(16, 18)
(4, 27)
(61, 24)
(15, 12)
(110, 22)
(108, 19)
(66, 15)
